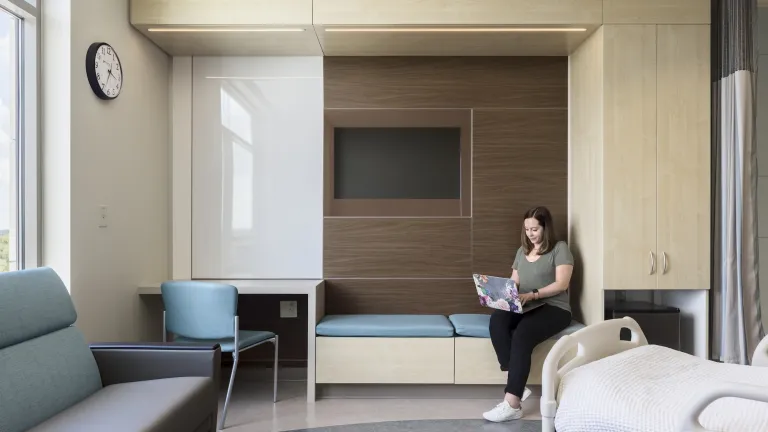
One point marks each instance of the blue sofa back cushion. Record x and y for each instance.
(476, 325)
(33, 303)
(385, 326)
(44, 376)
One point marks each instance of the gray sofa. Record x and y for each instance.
(52, 380)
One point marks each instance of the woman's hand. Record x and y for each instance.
(525, 298)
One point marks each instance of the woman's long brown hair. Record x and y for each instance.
(548, 239)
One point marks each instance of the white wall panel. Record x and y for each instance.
(257, 166)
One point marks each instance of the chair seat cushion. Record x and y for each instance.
(248, 338)
(476, 325)
(385, 326)
(156, 405)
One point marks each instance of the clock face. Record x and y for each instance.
(105, 73)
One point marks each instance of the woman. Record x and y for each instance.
(542, 270)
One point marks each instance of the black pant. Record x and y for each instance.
(514, 336)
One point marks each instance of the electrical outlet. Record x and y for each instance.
(103, 217)
(288, 309)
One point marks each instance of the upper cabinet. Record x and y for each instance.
(630, 156)
(684, 155)
(652, 183)
(228, 27)
(657, 157)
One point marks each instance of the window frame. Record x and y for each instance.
(28, 123)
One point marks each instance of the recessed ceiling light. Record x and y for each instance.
(224, 29)
(455, 29)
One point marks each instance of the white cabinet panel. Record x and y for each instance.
(257, 161)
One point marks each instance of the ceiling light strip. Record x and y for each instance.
(455, 29)
(223, 29)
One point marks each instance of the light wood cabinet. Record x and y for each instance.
(684, 151)
(629, 156)
(653, 178)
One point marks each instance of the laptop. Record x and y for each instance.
(501, 293)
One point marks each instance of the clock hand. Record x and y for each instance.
(113, 76)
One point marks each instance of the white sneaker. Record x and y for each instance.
(502, 413)
(527, 392)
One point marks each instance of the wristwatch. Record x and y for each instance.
(536, 294)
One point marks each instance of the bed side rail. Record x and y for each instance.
(592, 343)
(690, 419)
(761, 353)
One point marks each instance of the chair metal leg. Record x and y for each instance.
(274, 396)
(229, 393)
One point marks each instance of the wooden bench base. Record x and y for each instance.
(457, 360)
(476, 363)
(361, 360)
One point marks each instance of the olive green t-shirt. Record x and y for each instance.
(540, 273)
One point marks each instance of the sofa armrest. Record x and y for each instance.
(121, 363)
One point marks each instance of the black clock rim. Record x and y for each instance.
(90, 72)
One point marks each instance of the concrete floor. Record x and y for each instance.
(252, 410)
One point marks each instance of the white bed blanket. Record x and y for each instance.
(647, 389)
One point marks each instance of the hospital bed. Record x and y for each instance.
(613, 385)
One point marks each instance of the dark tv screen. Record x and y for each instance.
(397, 163)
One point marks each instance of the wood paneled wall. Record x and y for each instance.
(519, 160)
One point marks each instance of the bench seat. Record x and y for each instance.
(476, 325)
(392, 326)
(415, 349)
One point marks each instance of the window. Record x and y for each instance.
(18, 135)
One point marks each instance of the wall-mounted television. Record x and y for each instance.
(397, 162)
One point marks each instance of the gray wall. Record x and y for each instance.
(762, 158)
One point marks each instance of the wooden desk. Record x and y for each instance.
(313, 289)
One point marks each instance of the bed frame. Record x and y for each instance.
(601, 340)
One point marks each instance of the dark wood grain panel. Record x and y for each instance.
(520, 160)
(262, 312)
(397, 247)
(498, 126)
(495, 241)
(446, 82)
(402, 296)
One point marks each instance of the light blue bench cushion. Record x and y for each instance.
(476, 325)
(385, 326)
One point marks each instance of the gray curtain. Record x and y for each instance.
(736, 321)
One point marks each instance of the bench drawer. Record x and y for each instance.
(360, 360)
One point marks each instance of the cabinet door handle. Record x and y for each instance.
(653, 262)
(664, 258)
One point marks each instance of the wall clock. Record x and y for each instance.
(104, 71)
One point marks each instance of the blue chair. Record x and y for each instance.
(206, 312)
